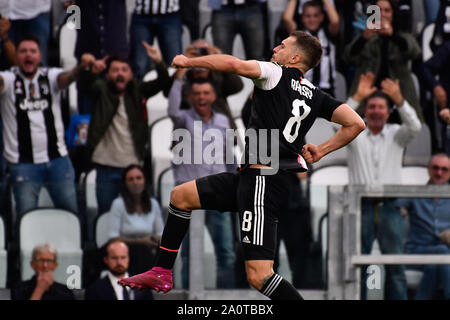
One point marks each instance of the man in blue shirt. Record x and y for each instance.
(429, 231)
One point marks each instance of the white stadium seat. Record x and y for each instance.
(160, 143)
(58, 227)
(3, 256)
(101, 229)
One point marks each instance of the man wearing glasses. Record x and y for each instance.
(429, 230)
(42, 286)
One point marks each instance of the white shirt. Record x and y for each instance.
(123, 224)
(39, 131)
(116, 148)
(24, 9)
(118, 289)
(377, 159)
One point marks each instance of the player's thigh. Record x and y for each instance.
(260, 201)
(218, 191)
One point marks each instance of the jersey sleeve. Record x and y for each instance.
(8, 79)
(327, 104)
(53, 74)
(270, 75)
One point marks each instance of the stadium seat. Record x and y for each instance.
(3, 256)
(415, 175)
(427, 35)
(205, 15)
(160, 146)
(323, 240)
(157, 105)
(275, 9)
(236, 101)
(186, 38)
(319, 181)
(67, 41)
(418, 16)
(239, 148)
(101, 229)
(90, 197)
(418, 150)
(166, 182)
(340, 90)
(320, 132)
(58, 227)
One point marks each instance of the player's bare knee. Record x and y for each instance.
(179, 198)
(176, 197)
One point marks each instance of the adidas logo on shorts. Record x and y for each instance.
(246, 240)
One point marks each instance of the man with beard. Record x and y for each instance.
(116, 259)
(118, 129)
(375, 158)
(33, 129)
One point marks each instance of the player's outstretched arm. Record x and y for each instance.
(352, 125)
(221, 63)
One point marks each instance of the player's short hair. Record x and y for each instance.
(380, 94)
(310, 46)
(28, 37)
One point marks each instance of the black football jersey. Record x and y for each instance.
(288, 110)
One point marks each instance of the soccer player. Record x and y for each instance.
(282, 100)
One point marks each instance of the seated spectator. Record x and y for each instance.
(439, 65)
(42, 285)
(225, 84)
(118, 130)
(313, 22)
(31, 17)
(429, 232)
(246, 18)
(375, 158)
(387, 53)
(150, 19)
(107, 288)
(219, 225)
(33, 129)
(136, 219)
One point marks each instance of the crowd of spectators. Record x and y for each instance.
(44, 144)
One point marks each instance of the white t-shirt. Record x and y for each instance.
(123, 224)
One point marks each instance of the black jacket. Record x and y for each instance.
(103, 290)
(57, 291)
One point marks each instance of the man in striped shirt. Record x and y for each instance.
(33, 129)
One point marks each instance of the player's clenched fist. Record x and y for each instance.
(310, 153)
(180, 61)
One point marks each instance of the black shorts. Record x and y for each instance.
(259, 199)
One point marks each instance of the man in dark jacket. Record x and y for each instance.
(118, 131)
(42, 286)
(107, 288)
